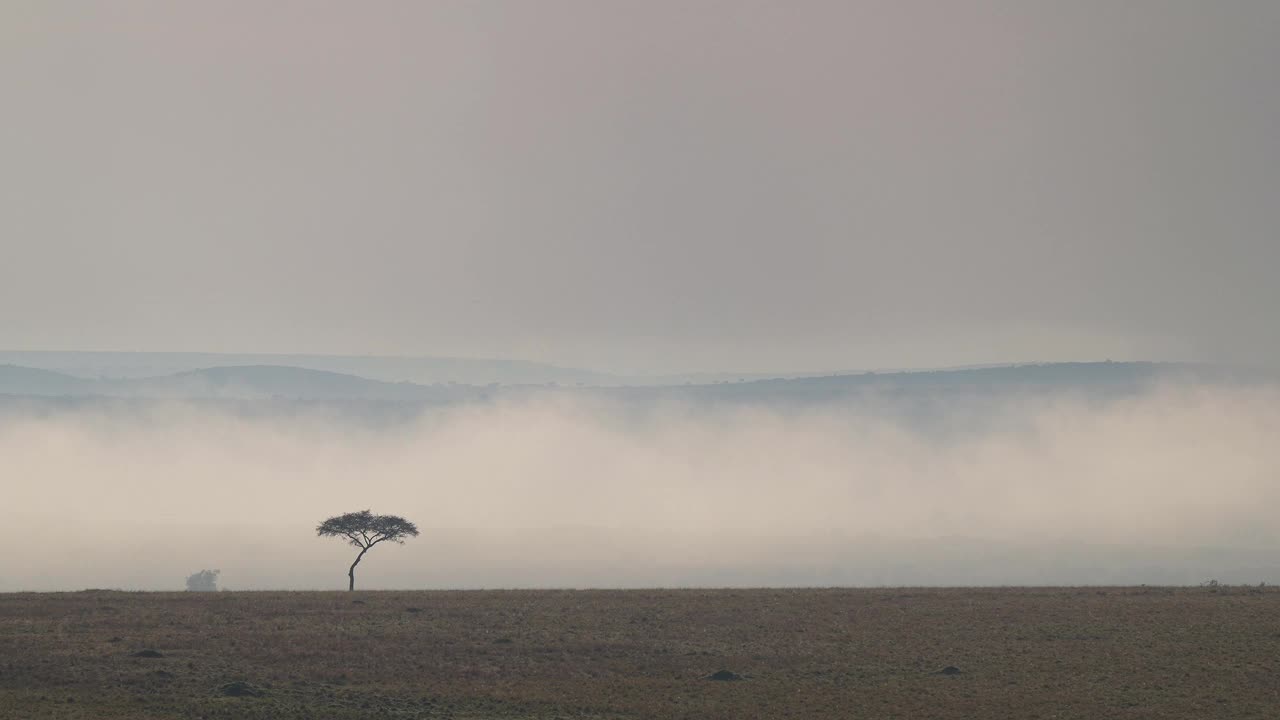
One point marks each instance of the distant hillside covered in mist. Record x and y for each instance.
(422, 370)
(84, 365)
(276, 382)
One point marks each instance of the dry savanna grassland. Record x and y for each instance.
(1209, 652)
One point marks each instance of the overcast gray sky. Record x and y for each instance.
(644, 185)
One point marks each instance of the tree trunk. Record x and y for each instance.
(351, 574)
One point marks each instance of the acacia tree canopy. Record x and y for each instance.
(364, 530)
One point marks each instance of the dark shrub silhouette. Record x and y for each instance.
(203, 581)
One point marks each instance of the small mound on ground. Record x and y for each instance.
(239, 688)
(724, 676)
(949, 670)
(149, 654)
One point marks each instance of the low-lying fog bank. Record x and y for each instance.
(1175, 484)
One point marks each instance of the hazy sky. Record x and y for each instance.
(644, 185)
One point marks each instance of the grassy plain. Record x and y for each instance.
(873, 653)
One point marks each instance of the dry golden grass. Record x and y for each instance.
(1023, 653)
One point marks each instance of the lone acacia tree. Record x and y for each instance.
(364, 530)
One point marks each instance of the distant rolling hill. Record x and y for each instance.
(1086, 378)
(272, 381)
(278, 382)
(17, 380)
(244, 383)
(421, 370)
